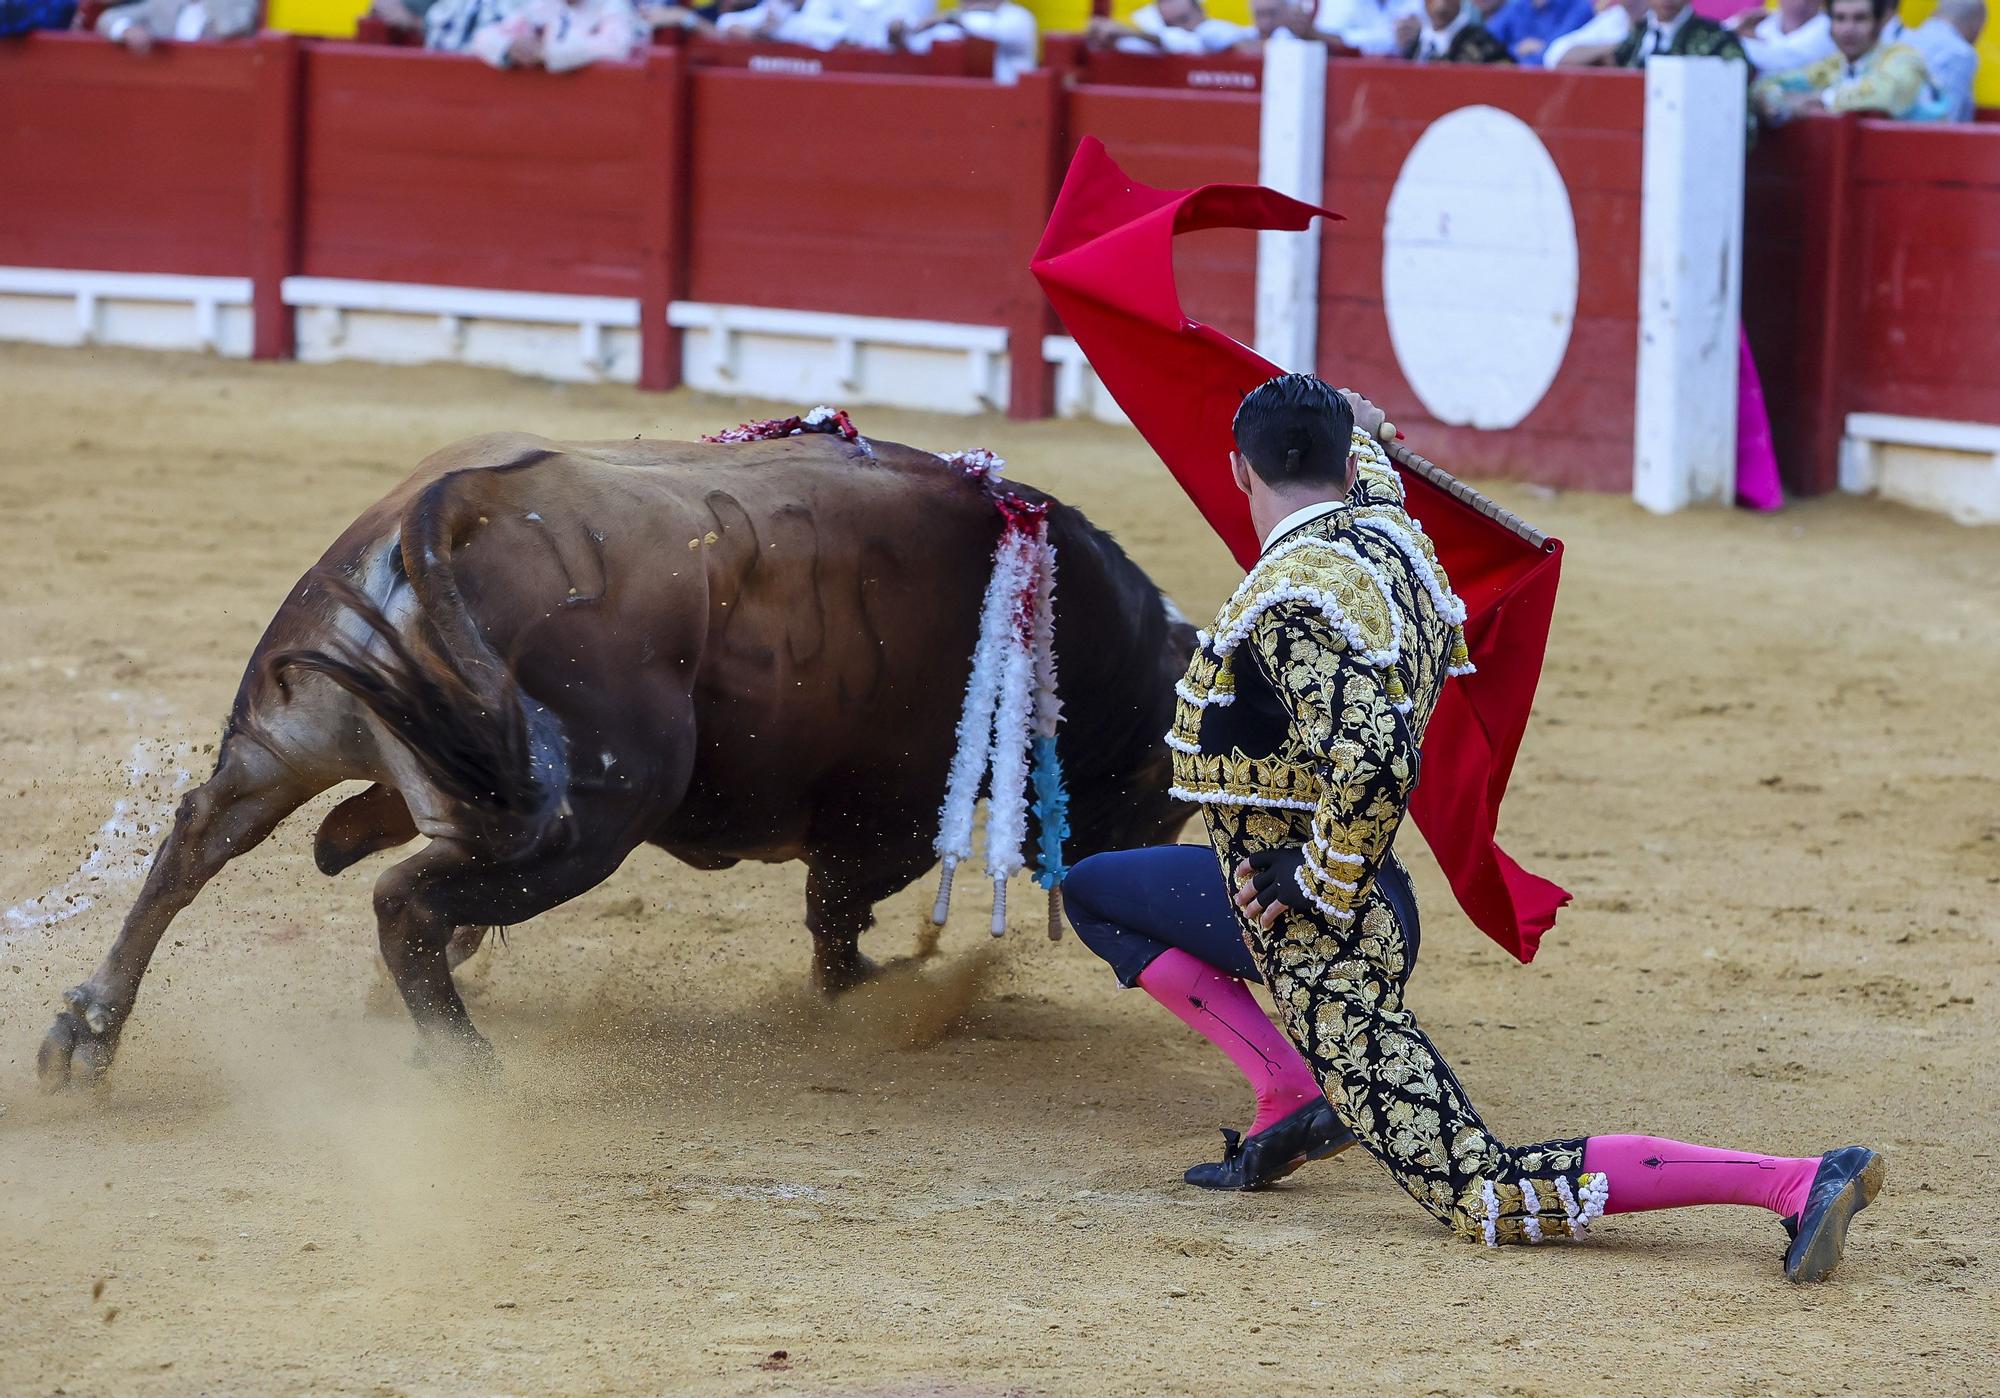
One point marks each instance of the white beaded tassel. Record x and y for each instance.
(975, 727)
(1007, 792)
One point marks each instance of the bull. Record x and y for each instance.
(542, 655)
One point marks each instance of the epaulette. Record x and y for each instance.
(1330, 576)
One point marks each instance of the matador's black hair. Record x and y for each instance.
(1296, 431)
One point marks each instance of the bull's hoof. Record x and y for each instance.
(844, 975)
(77, 1050)
(463, 1055)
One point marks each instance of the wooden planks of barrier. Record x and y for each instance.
(1580, 432)
(890, 201)
(1871, 283)
(436, 169)
(110, 162)
(1924, 333)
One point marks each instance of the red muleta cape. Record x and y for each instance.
(1106, 262)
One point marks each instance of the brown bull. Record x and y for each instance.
(543, 655)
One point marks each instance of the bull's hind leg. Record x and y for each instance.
(431, 898)
(225, 816)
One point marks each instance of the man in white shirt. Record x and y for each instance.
(1279, 21)
(136, 26)
(1452, 33)
(1794, 35)
(1593, 45)
(827, 24)
(1169, 26)
(1946, 40)
(1010, 28)
(1377, 28)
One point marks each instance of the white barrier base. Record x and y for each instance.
(55, 306)
(577, 339)
(1950, 467)
(816, 356)
(1079, 393)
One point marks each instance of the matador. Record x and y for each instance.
(1299, 730)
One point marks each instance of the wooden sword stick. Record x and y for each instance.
(1458, 489)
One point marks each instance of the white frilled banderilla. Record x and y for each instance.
(1008, 725)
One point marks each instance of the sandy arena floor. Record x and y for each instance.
(1764, 761)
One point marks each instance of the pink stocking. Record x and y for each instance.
(1647, 1172)
(1222, 1010)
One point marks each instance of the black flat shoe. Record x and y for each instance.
(1312, 1132)
(1847, 1182)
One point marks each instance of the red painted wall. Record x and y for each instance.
(117, 163)
(1871, 280)
(438, 169)
(1925, 210)
(1872, 259)
(1580, 434)
(864, 195)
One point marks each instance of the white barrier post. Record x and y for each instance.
(1690, 282)
(1291, 158)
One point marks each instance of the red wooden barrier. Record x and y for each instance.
(1580, 434)
(1175, 140)
(113, 162)
(916, 198)
(970, 58)
(1871, 280)
(1221, 72)
(274, 196)
(1924, 209)
(437, 169)
(663, 219)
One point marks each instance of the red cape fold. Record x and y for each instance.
(1106, 262)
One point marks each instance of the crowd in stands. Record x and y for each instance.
(1803, 56)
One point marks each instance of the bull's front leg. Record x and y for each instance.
(836, 915)
(227, 815)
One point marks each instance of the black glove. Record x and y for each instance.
(1274, 873)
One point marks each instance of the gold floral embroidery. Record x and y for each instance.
(1337, 780)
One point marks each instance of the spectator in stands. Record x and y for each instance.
(1867, 75)
(1278, 21)
(1795, 34)
(559, 35)
(1596, 44)
(1528, 27)
(827, 24)
(138, 26)
(1168, 26)
(401, 14)
(1010, 28)
(24, 16)
(1946, 41)
(1673, 28)
(1452, 33)
(1377, 28)
(729, 19)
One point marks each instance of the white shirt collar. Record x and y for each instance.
(1438, 41)
(1668, 31)
(1299, 518)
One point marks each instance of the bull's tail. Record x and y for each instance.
(454, 704)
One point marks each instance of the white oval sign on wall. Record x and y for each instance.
(1479, 268)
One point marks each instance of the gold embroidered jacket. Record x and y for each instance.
(1300, 717)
